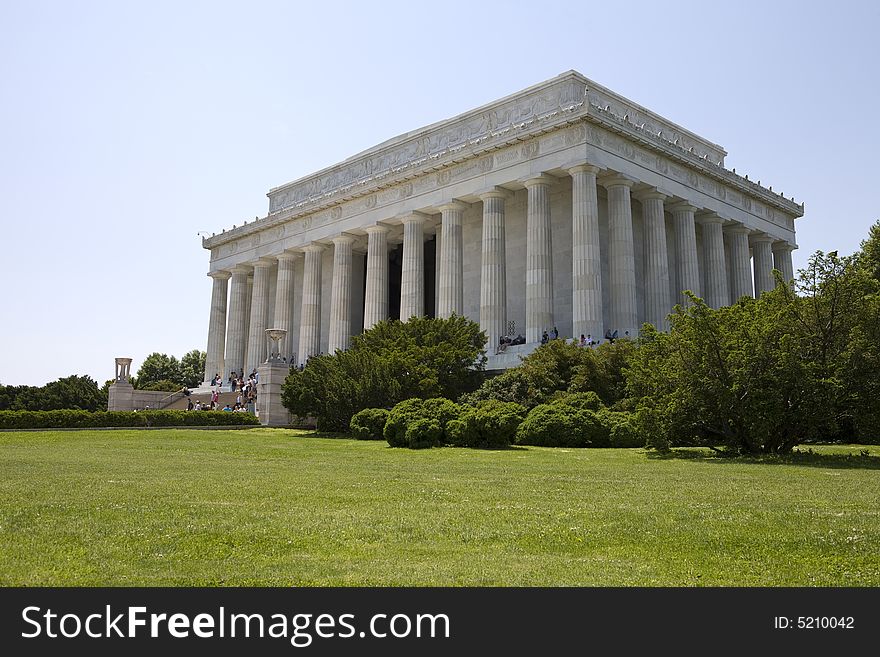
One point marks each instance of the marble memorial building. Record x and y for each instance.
(562, 205)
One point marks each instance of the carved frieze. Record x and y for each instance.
(507, 156)
(541, 103)
(575, 134)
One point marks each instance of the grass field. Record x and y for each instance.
(275, 507)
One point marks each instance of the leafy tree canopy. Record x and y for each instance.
(72, 392)
(192, 368)
(766, 374)
(559, 366)
(389, 363)
(870, 252)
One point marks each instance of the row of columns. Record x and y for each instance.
(587, 297)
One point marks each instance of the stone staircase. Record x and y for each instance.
(510, 357)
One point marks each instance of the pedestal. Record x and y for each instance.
(120, 396)
(271, 376)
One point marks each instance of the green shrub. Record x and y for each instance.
(489, 423)
(369, 424)
(68, 419)
(560, 425)
(510, 386)
(423, 433)
(623, 428)
(440, 411)
(581, 401)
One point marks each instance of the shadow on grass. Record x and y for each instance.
(308, 433)
(803, 458)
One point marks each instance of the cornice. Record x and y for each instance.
(564, 100)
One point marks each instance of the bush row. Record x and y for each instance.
(568, 420)
(67, 419)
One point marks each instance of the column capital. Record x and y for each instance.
(494, 192)
(583, 168)
(540, 179)
(342, 239)
(378, 228)
(649, 194)
(314, 247)
(287, 256)
(737, 229)
(682, 207)
(783, 246)
(710, 218)
(616, 180)
(241, 269)
(413, 217)
(220, 275)
(265, 261)
(452, 205)
(761, 238)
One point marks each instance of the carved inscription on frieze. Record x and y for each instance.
(486, 126)
(506, 156)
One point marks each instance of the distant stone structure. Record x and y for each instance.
(271, 375)
(564, 205)
(122, 396)
(123, 369)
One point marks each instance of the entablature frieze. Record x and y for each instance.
(545, 108)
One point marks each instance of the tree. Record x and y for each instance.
(192, 368)
(869, 258)
(72, 392)
(559, 366)
(799, 364)
(389, 363)
(732, 379)
(159, 367)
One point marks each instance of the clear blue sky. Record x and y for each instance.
(127, 127)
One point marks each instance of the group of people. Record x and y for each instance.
(585, 340)
(242, 383)
(214, 405)
(506, 341)
(245, 401)
(552, 335)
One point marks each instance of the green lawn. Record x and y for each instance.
(274, 507)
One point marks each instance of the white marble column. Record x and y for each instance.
(762, 257)
(687, 265)
(340, 299)
(284, 301)
(451, 261)
(256, 352)
(493, 272)
(310, 317)
(539, 259)
(376, 293)
(247, 316)
(586, 263)
(782, 260)
(716, 294)
(740, 262)
(658, 304)
(412, 276)
(214, 361)
(621, 257)
(236, 334)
